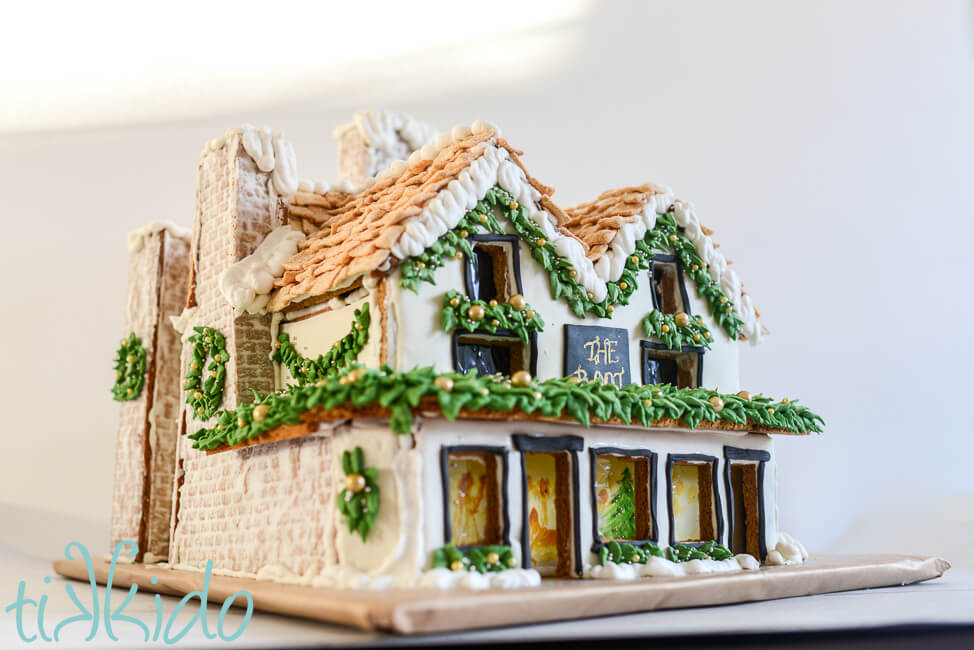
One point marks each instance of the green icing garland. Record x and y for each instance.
(629, 553)
(205, 395)
(338, 357)
(665, 236)
(401, 392)
(129, 369)
(359, 501)
(482, 559)
(666, 328)
(458, 310)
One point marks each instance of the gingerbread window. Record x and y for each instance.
(474, 491)
(694, 504)
(494, 270)
(682, 368)
(669, 291)
(623, 494)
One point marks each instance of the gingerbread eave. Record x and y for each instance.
(429, 409)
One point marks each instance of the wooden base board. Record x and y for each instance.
(431, 611)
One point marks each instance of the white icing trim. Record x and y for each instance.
(136, 238)
(247, 284)
(658, 567)
(787, 551)
(269, 150)
(381, 128)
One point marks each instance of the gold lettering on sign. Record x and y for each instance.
(601, 352)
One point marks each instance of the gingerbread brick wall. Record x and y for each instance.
(148, 428)
(264, 506)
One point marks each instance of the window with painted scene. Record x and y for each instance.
(622, 497)
(474, 498)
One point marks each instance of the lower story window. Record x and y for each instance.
(622, 496)
(491, 354)
(680, 368)
(474, 497)
(693, 503)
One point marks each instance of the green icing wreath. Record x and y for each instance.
(129, 369)
(476, 315)
(204, 395)
(677, 330)
(359, 501)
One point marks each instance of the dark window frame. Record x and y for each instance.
(498, 450)
(672, 459)
(548, 444)
(651, 456)
(501, 333)
(680, 274)
(762, 457)
(645, 346)
(470, 263)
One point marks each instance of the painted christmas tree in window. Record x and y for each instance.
(620, 518)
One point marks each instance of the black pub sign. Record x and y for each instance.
(595, 353)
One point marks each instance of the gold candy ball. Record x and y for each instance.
(241, 422)
(672, 239)
(476, 313)
(591, 296)
(512, 562)
(540, 241)
(537, 395)
(124, 341)
(681, 319)
(610, 309)
(696, 338)
(454, 301)
(495, 323)
(321, 382)
(623, 285)
(648, 403)
(521, 378)
(482, 218)
(493, 558)
(744, 395)
(130, 358)
(573, 379)
(356, 374)
(493, 302)
(464, 234)
(572, 273)
(197, 395)
(717, 403)
(770, 411)
(786, 401)
(217, 357)
(444, 384)
(723, 299)
(518, 302)
(354, 482)
(634, 259)
(512, 205)
(277, 345)
(261, 411)
(529, 314)
(695, 267)
(456, 565)
(665, 329)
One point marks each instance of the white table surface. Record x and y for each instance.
(30, 540)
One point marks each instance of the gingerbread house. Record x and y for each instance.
(440, 377)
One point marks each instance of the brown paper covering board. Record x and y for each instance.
(431, 611)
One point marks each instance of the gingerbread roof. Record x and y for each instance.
(597, 222)
(354, 231)
(352, 234)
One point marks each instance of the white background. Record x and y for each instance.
(830, 145)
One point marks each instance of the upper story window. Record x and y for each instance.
(681, 368)
(494, 273)
(669, 290)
